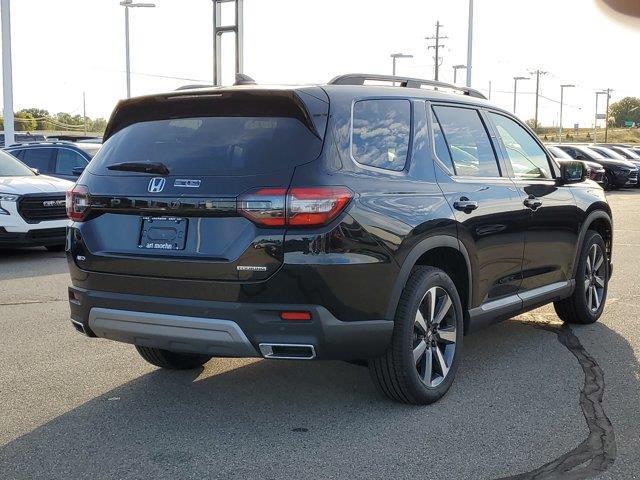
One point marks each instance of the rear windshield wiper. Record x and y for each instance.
(143, 167)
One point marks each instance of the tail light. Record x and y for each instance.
(296, 207)
(77, 203)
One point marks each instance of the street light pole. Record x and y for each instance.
(606, 117)
(7, 75)
(455, 72)
(562, 87)
(127, 4)
(470, 44)
(595, 122)
(395, 57)
(515, 91)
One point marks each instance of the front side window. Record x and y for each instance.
(68, 160)
(381, 133)
(468, 145)
(527, 158)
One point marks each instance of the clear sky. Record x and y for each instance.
(64, 47)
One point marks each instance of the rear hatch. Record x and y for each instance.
(184, 184)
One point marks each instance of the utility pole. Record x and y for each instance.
(470, 44)
(7, 76)
(84, 112)
(562, 87)
(515, 91)
(537, 73)
(436, 48)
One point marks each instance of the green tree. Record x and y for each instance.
(99, 125)
(40, 115)
(627, 109)
(24, 122)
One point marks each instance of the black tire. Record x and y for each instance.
(576, 308)
(608, 182)
(396, 374)
(172, 360)
(55, 248)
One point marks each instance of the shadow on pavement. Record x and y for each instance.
(516, 392)
(31, 262)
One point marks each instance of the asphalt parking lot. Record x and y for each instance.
(74, 407)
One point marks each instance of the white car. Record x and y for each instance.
(32, 207)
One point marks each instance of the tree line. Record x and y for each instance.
(30, 119)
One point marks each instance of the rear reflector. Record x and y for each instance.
(295, 316)
(296, 207)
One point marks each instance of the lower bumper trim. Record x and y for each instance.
(172, 332)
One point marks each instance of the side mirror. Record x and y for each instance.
(36, 171)
(573, 172)
(77, 171)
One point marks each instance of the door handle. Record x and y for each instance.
(465, 205)
(533, 203)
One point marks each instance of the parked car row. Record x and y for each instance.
(61, 159)
(613, 166)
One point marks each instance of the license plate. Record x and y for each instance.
(163, 233)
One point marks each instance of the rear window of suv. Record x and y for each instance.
(213, 146)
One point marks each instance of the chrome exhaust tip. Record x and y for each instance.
(287, 351)
(78, 326)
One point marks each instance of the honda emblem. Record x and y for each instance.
(156, 185)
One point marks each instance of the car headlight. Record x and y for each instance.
(7, 197)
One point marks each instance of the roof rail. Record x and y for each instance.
(407, 82)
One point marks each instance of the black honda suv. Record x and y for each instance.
(350, 221)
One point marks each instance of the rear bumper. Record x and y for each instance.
(225, 329)
(33, 238)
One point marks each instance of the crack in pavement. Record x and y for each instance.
(30, 302)
(598, 451)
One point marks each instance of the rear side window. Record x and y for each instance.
(212, 146)
(468, 145)
(39, 158)
(381, 133)
(527, 158)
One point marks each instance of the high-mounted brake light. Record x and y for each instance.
(296, 207)
(77, 200)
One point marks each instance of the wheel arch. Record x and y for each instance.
(601, 222)
(444, 252)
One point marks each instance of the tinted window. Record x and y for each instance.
(212, 145)
(467, 141)
(527, 158)
(559, 153)
(608, 153)
(381, 132)
(10, 167)
(67, 160)
(38, 158)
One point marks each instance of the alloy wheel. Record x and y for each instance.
(594, 278)
(434, 339)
